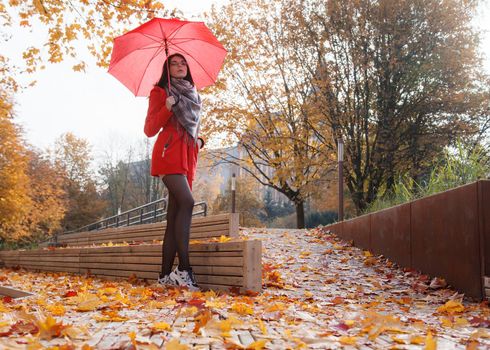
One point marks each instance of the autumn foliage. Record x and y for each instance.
(399, 81)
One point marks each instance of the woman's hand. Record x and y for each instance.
(170, 102)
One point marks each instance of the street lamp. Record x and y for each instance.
(340, 159)
(233, 192)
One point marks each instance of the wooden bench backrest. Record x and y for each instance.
(201, 227)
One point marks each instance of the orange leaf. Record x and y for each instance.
(337, 300)
(202, 319)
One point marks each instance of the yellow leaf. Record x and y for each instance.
(262, 327)
(72, 332)
(257, 345)
(417, 340)
(174, 344)
(3, 308)
(348, 340)
(215, 304)
(87, 302)
(446, 322)
(161, 326)
(132, 336)
(107, 291)
(110, 318)
(49, 328)
(224, 239)
(308, 294)
(479, 334)
(226, 325)
(242, 309)
(189, 311)
(304, 254)
(397, 340)
(430, 343)
(56, 309)
(451, 307)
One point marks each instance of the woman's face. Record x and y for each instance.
(178, 67)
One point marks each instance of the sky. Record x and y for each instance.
(97, 107)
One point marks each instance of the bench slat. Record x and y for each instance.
(210, 226)
(219, 265)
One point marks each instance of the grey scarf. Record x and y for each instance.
(187, 108)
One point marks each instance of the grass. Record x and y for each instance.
(458, 167)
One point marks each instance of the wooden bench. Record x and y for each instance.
(201, 227)
(221, 266)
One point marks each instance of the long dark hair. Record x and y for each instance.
(163, 82)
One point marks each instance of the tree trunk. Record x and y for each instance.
(300, 214)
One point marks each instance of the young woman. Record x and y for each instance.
(174, 113)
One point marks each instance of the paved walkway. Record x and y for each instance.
(319, 293)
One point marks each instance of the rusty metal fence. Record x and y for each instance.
(445, 235)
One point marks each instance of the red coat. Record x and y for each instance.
(174, 151)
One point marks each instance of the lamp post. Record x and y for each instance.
(233, 192)
(340, 158)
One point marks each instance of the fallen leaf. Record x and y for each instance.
(174, 344)
(348, 340)
(430, 343)
(451, 307)
(161, 326)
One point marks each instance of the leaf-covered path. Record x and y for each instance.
(319, 293)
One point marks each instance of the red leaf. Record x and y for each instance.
(70, 293)
(196, 302)
(480, 322)
(251, 293)
(7, 299)
(6, 334)
(21, 327)
(342, 326)
(235, 290)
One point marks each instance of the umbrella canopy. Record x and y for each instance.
(138, 56)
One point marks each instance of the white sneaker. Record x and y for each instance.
(166, 281)
(184, 279)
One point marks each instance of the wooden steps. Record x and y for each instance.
(216, 265)
(202, 227)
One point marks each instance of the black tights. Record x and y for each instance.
(179, 216)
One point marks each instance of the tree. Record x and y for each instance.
(262, 102)
(94, 24)
(15, 201)
(207, 183)
(248, 202)
(397, 80)
(31, 204)
(125, 176)
(72, 158)
(48, 198)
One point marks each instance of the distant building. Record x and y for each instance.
(220, 161)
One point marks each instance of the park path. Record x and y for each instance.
(319, 293)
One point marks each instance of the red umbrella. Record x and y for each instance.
(138, 56)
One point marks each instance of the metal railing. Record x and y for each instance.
(146, 214)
